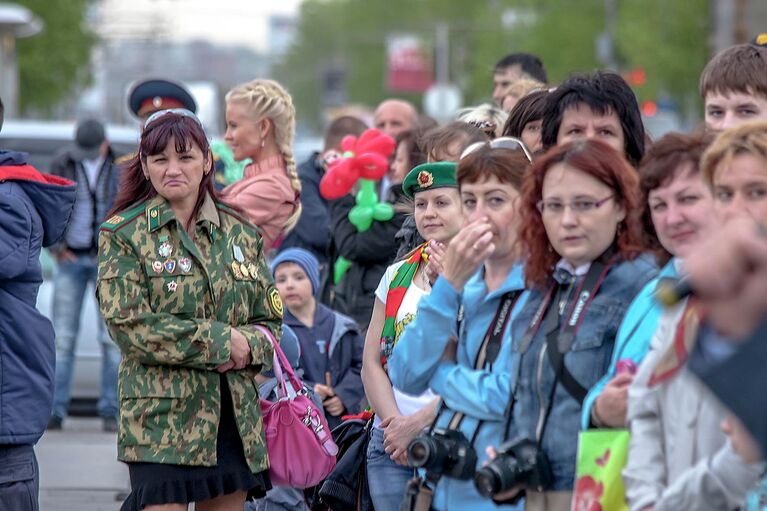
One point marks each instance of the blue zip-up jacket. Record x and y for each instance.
(416, 364)
(34, 212)
(634, 335)
(587, 360)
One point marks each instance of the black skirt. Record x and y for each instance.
(160, 483)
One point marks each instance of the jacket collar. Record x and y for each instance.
(159, 212)
(515, 281)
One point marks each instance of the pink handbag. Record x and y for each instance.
(301, 449)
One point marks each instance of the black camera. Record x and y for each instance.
(444, 452)
(519, 463)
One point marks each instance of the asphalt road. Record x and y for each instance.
(79, 470)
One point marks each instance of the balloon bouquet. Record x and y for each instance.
(364, 160)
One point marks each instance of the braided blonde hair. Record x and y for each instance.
(267, 99)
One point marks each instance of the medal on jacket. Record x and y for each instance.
(253, 269)
(157, 266)
(166, 249)
(238, 266)
(185, 264)
(170, 265)
(172, 286)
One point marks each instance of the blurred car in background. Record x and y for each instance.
(43, 140)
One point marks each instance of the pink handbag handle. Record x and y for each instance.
(281, 364)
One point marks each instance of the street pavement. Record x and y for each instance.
(79, 470)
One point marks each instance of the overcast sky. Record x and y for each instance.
(230, 22)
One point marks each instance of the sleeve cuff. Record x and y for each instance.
(220, 350)
(260, 348)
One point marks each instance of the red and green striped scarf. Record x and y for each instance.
(397, 289)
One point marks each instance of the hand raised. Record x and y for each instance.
(467, 251)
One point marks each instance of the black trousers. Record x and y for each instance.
(19, 478)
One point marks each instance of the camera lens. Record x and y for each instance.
(419, 451)
(487, 482)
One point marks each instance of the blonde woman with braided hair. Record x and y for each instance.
(260, 125)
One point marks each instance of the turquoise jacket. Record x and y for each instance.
(416, 364)
(634, 335)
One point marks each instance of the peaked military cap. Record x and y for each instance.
(430, 175)
(149, 96)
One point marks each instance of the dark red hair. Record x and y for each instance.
(604, 164)
(185, 131)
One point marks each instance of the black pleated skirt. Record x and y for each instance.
(160, 483)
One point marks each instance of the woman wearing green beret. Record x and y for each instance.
(400, 416)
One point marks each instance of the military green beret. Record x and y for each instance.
(429, 175)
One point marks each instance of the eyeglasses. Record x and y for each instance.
(578, 206)
(178, 111)
(499, 143)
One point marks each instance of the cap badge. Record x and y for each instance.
(425, 179)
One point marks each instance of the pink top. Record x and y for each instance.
(265, 196)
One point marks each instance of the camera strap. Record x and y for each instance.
(490, 347)
(559, 340)
(560, 336)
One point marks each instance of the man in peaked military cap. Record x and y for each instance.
(150, 96)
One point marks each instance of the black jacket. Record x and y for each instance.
(312, 231)
(408, 238)
(370, 252)
(346, 488)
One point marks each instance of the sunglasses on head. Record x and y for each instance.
(178, 111)
(512, 143)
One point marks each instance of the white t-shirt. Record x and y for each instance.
(406, 403)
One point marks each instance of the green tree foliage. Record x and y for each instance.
(670, 44)
(666, 38)
(54, 62)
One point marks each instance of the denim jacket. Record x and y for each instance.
(416, 364)
(587, 360)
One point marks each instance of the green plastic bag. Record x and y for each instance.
(602, 454)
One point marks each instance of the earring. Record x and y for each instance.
(263, 142)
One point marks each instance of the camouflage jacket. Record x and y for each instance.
(170, 304)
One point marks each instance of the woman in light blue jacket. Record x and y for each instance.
(481, 284)
(677, 209)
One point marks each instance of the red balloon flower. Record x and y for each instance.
(366, 157)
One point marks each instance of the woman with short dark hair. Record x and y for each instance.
(600, 106)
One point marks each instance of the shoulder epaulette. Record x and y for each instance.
(123, 218)
(125, 158)
(238, 216)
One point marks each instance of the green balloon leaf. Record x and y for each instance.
(341, 266)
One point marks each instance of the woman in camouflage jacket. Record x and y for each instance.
(187, 297)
